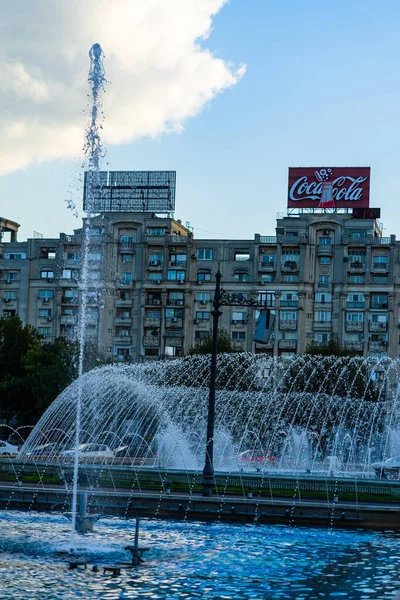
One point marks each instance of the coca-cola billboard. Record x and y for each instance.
(329, 187)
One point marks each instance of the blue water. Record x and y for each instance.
(196, 560)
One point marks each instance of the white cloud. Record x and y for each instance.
(160, 73)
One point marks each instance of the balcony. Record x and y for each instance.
(74, 301)
(124, 283)
(68, 320)
(123, 321)
(376, 306)
(178, 239)
(152, 322)
(322, 325)
(174, 341)
(119, 302)
(179, 264)
(175, 302)
(325, 250)
(127, 248)
(354, 346)
(287, 344)
(151, 341)
(380, 268)
(378, 346)
(323, 285)
(9, 301)
(289, 239)
(174, 323)
(357, 267)
(357, 241)
(292, 303)
(267, 266)
(288, 325)
(204, 323)
(377, 326)
(290, 266)
(355, 305)
(156, 265)
(263, 347)
(154, 240)
(354, 325)
(267, 239)
(153, 302)
(122, 339)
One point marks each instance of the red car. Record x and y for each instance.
(256, 457)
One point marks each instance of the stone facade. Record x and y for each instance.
(153, 284)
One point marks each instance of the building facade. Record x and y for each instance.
(152, 283)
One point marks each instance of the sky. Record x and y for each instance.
(227, 93)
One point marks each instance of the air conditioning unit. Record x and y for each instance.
(49, 319)
(203, 302)
(154, 263)
(179, 302)
(174, 320)
(194, 256)
(46, 299)
(6, 300)
(180, 281)
(156, 302)
(195, 321)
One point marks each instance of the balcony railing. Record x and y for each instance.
(355, 304)
(153, 301)
(173, 341)
(325, 249)
(354, 325)
(377, 346)
(68, 320)
(151, 342)
(292, 303)
(174, 323)
(267, 239)
(122, 339)
(380, 267)
(127, 247)
(288, 325)
(124, 303)
(376, 306)
(124, 321)
(267, 266)
(377, 326)
(322, 325)
(290, 266)
(152, 322)
(357, 267)
(177, 239)
(287, 344)
(354, 346)
(179, 264)
(172, 302)
(269, 346)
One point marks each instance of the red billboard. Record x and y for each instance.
(329, 187)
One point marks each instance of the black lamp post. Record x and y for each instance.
(223, 298)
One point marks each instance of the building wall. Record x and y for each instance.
(152, 285)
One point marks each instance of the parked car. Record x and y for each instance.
(256, 458)
(388, 467)
(7, 449)
(43, 451)
(90, 451)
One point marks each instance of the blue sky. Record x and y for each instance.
(320, 89)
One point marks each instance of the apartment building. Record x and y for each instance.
(151, 283)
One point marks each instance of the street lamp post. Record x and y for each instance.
(222, 298)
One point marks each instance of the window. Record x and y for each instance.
(241, 256)
(156, 260)
(202, 315)
(288, 315)
(267, 277)
(47, 293)
(324, 279)
(176, 298)
(201, 335)
(238, 316)
(238, 336)
(154, 299)
(45, 331)
(379, 318)
(356, 258)
(94, 256)
(155, 231)
(67, 273)
(323, 316)
(155, 276)
(268, 259)
(15, 255)
(322, 338)
(204, 276)
(379, 301)
(325, 241)
(127, 239)
(380, 279)
(203, 297)
(380, 262)
(358, 279)
(46, 274)
(323, 297)
(9, 296)
(178, 259)
(324, 260)
(45, 313)
(289, 299)
(241, 277)
(67, 293)
(127, 258)
(205, 254)
(123, 331)
(174, 313)
(123, 314)
(95, 231)
(151, 351)
(10, 276)
(292, 234)
(72, 257)
(291, 256)
(176, 275)
(355, 317)
(126, 278)
(153, 314)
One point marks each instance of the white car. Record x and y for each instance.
(390, 466)
(7, 449)
(91, 451)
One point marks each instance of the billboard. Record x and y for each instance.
(329, 187)
(129, 191)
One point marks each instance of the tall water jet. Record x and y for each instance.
(93, 150)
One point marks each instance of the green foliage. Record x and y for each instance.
(224, 344)
(33, 374)
(330, 348)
